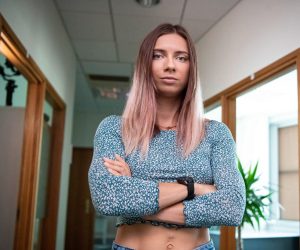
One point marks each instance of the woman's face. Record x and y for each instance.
(170, 65)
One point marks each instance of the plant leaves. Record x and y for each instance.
(255, 203)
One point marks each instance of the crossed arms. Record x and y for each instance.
(115, 192)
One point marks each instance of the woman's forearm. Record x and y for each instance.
(172, 214)
(172, 193)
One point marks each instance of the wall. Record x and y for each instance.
(89, 111)
(253, 35)
(38, 25)
(85, 125)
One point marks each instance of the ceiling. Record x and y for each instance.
(106, 34)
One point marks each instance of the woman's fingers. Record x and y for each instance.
(123, 164)
(111, 161)
(119, 158)
(113, 166)
(118, 166)
(113, 172)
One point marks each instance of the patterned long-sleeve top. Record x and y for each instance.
(212, 162)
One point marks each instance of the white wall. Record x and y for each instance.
(253, 35)
(37, 24)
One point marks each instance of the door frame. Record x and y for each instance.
(39, 88)
(49, 227)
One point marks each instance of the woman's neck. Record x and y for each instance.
(167, 112)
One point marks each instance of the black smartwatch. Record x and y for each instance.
(189, 183)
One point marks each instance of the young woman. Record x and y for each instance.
(165, 170)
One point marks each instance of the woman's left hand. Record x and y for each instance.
(118, 166)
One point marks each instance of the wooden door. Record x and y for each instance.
(80, 218)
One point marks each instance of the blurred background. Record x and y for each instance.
(67, 64)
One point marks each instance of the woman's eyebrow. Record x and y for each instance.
(158, 50)
(176, 52)
(181, 52)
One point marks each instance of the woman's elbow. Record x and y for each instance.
(100, 198)
(104, 209)
(237, 212)
(236, 219)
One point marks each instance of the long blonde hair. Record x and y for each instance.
(139, 116)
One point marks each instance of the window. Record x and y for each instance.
(213, 112)
(267, 132)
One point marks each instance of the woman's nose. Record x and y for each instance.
(170, 66)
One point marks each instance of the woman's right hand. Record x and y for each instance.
(201, 189)
(118, 166)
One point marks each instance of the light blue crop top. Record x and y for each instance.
(212, 162)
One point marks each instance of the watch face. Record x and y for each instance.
(185, 180)
(189, 183)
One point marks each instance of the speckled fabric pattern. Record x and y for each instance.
(212, 162)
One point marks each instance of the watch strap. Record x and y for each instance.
(189, 183)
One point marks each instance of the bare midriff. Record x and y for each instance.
(149, 237)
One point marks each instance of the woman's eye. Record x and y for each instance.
(182, 58)
(157, 56)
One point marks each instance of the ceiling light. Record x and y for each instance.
(148, 3)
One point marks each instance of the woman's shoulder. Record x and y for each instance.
(111, 119)
(112, 122)
(213, 124)
(216, 129)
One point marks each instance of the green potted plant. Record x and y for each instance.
(255, 202)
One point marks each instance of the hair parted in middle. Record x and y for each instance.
(139, 116)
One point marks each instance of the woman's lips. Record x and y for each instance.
(169, 79)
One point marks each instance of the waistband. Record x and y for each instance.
(206, 246)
